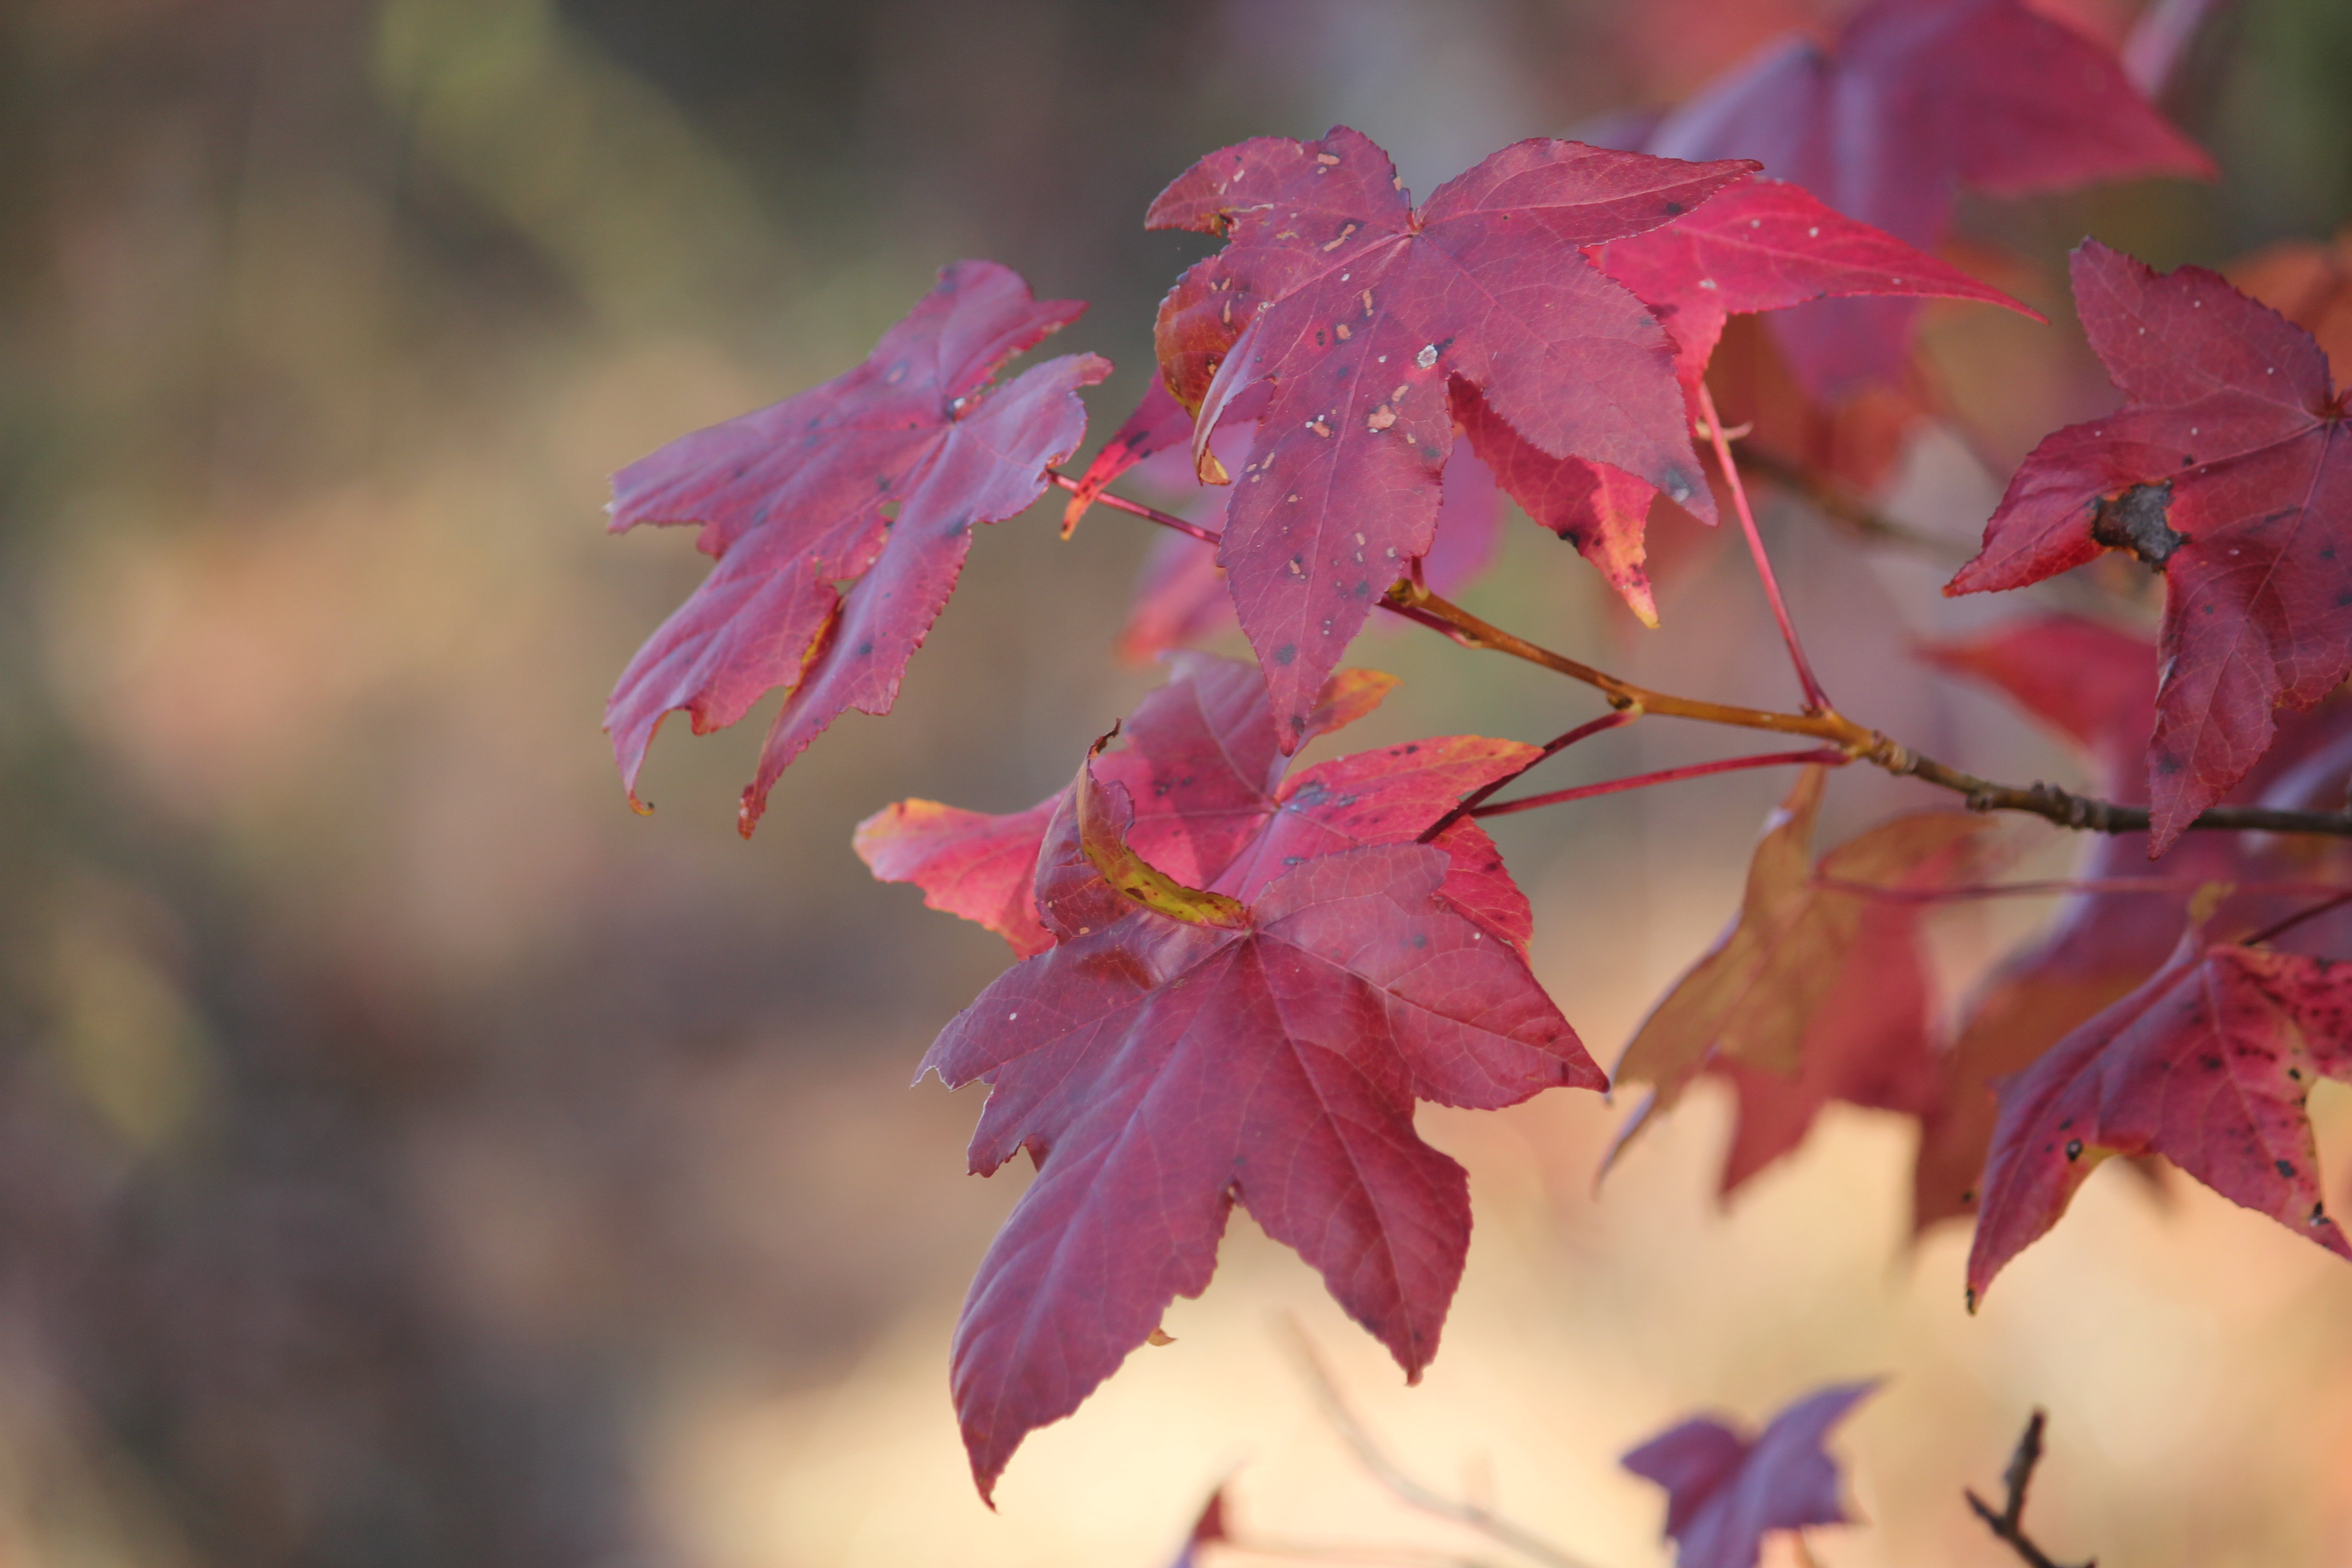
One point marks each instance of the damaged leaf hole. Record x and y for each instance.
(2138, 520)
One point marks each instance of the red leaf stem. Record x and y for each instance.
(1816, 699)
(1133, 509)
(1616, 718)
(1825, 756)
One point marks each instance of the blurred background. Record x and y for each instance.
(409, 1156)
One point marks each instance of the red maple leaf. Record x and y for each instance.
(1161, 1063)
(2097, 685)
(2229, 469)
(874, 478)
(2208, 1064)
(1726, 1491)
(1759, 246)
(1360, 307)
(1213, 808)
(1916, 99)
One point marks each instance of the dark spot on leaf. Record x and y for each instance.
(2137, 520)
(2168, 764)
(864, 649)
(2286, 1169)
(1421, 939)
(1285, 653)
(1673, 209)
(2073, 1148)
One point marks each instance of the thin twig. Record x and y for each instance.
(1816, 699)
(1616, 718)
(1858, 742)
(2009, 1524)
(2281, 927)
(1828, 725)
(1664, 775)
(2090, 815)
(1404, 1488)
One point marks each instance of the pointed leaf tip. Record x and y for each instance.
(2209, 1063)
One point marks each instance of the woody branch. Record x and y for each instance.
(1850, 742)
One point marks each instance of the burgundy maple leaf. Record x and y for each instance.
(2228, 468)
(874, 478)
(1726, 1491)
(1179, 1050)
(2097, 685)
(2208, 1064)
(1360, 307)
(1915, 99)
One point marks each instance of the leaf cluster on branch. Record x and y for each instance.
(1236, 978)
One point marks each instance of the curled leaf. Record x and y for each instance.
(1104, 813)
